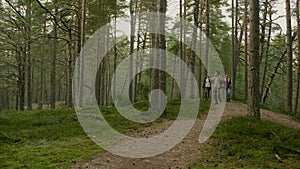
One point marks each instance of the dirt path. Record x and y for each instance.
(184, 152)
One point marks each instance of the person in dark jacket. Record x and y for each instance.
(227, 87)
(206, 86)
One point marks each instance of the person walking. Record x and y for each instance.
(216, 88)
(227, 87)
(207, 86)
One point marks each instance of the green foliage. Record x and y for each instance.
(246, 142)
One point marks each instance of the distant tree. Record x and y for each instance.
(132, 42)
(246, 49)
(289, 43)
(53, 62)
(298, 73)
(266, 62)
(82, 42)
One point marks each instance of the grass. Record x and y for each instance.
(246, 142)
(55, 139)
(296, 117)
(43, 139)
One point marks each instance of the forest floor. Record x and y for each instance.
(183, 154)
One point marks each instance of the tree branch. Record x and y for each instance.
(54, 17)
(15, 10)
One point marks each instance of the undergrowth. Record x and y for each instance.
(246, 142)
(55, 138)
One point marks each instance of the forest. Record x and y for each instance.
(46, 49)
(41, 41)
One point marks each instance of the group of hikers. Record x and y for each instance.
(217, 85)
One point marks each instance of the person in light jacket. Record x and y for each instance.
(216, 87)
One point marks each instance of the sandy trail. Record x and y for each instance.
(183, 153)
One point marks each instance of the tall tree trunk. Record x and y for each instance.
(70, 69)
(136, 86)
(17, 98)
(162, 46)
(107, 68)
(233, 47)
(246, 49)
(79, 26)
(53, 63)
(41, 99)
(99, 71)
(289, 85)
(254, 97)
(28, 53)
(22, 54)
(155, 72)
(78, 36)
(238, 46)
(82, 37)
(132, 28)
(102, 83)
(115, 50)
(298, 74)
(263, 39)
(267, 53)
(66, 78)
(183, 48)
(263, 30)
(193, 43)
(200, 49)
(181, 45)
(173, 80)
(236, 56)
(21, 78)
(207, 36)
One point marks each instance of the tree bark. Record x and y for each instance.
(70, 69)
(246, 50)
(263, 30)
(82, 42)
(155, 72)
(21, 81)
(136, 86)
(41, 99)
(107, 69)
(289, 84)
(162, 46)
(115, 50)
(132, 28)
(193, 43)
(181, 44)
(28, 53)
(236, 50)
(254, 97)
(298, 73)
(200, 49)
(207, 36)
(53, 63)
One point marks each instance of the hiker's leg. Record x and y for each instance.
(229, 94)
(219, 95)
(215, 91)
(227, 99)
